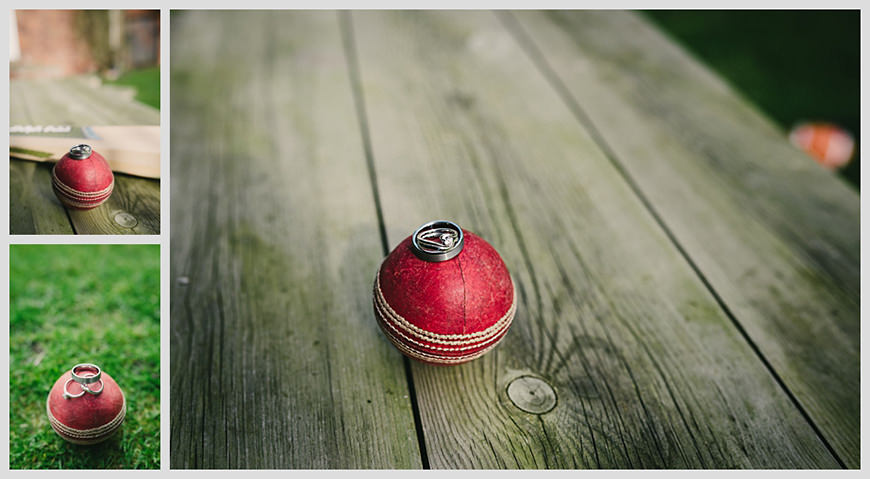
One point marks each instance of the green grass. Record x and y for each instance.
(795, 65)
(146, 81)
(25, 151)
(84, 303)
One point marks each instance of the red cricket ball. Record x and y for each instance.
(83, 417)
(444, 295)
(82, 179)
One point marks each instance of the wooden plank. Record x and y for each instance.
(645, 367)
(276, 360)
(134, 207)
(75, 101)
(775, 235)
(26, 97)
(33, 205)
(116, 103)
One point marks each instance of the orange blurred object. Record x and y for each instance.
(830, 145)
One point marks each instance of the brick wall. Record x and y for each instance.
(57, 43)
(50, 45)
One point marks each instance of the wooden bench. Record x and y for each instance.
(133, 208)
(688, 281)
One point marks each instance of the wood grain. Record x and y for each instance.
(775, 235)
(647, 369)
(81, 100)
(133, 208)
(33, 207)
(277, 361)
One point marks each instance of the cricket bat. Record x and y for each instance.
(134, 150)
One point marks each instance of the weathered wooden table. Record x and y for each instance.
(133, 208)
(688, 281)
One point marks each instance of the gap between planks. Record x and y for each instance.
(727, 324)
(534, 53)
(345, 21)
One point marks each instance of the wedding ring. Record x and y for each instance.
(78, 375)
(80, 152)
(438, 240)
(67, 395)
(80, 368)
(90, 391)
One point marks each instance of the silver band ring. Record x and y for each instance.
(437, 241)
(90, 391)
(67, 395)
(98, 373)
(80, 152)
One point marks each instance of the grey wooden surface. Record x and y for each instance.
(133, 208)
(275, 359)
(776, 237)
(302, 154)
(77, 100)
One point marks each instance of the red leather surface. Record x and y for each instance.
(88, 411)
(82, 184)
(454, 300)
(89, 175)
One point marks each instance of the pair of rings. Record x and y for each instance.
(84, 374)
(436, 241)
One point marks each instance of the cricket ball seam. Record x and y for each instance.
(78, 204)
(86, 435)
(87, 194)
(85, 200)
(433, 358)
(470, 344)
(74, 191)
(89, 433)
(443, 338)
(88, 202)
(392, 318)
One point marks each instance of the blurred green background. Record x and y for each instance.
(84, 303)
(146, 82)
(795, 65)
(115, 47)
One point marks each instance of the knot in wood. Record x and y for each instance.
(125, 220)
(532, 395)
